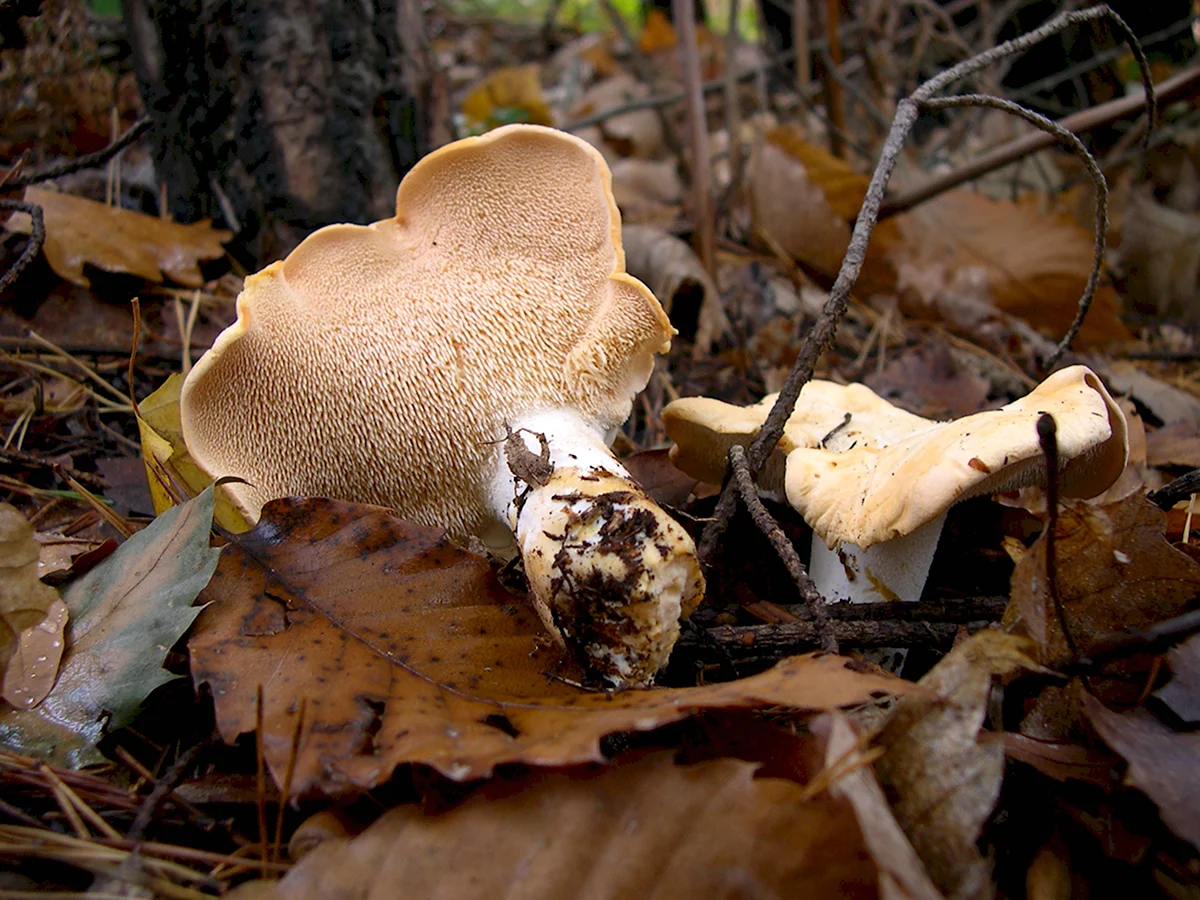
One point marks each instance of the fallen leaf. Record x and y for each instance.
(1182, 693)
(944, 781)
(404, 649)
(125, 615)
(1165, 402)
(1059, 761)
(81, 231)
(803, 200)
(169, 466)
(59, 554)
(32, 616)
(927, 380)
(508, 95)
(901, 873)
(1177, 444)
(649, 829)
(650, 183)
(1160, 251)
(636, 133)
(659, 478)
(1162, 763)
(1011, 255)
(1116, 573)
(675, 275)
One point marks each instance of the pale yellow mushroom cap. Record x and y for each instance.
(376, 363)
(887, 472)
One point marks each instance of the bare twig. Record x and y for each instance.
(813, 600)
(1179, 86)
(99, 158)
(1047, 430)
(37, 237)
(800, 38)
(1179, 489)
(823, 332)
(163, 787)
(684, 12)
(831, 88)
(1155, 639)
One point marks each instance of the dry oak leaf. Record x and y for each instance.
(1162, 763)
(803, 201)
(1182, 693)
(1013, 256)
(647, 829)
(81, 231)
(32, 617)
(945, 782)
(402, 648)
(1116, 573)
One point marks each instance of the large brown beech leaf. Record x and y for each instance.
(647, 829)
(401, 648)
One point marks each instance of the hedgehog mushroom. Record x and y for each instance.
(875, 482)
(465, 363)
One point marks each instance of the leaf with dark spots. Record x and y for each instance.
(471, 651)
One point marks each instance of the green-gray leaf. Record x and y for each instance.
(125, 615)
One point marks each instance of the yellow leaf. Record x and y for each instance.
(516, 88)
(170, 469)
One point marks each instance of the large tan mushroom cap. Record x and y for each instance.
(376, 362)
(882, 472)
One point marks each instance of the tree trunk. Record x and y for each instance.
(277, 116)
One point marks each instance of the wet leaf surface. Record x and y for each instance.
(125, 615)
(32, 616)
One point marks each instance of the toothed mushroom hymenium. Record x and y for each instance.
(875, 482)
(387, 364)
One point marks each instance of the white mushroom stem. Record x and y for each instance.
(610, 573)
(891, 570)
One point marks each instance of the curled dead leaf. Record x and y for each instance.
(962, 248)
(945, 782)
(670, 268)
(1162, 763)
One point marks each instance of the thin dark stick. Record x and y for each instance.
(1177, 87)
(1156, 638)
(741, 643)
(703, 214)
(783, 547)
(1100, 222)
(820, 338)
(162, 789)
(57, 170)
(1179, 489)
(260, 783)
(37, 237)
(136, 304)
(1047, 430)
